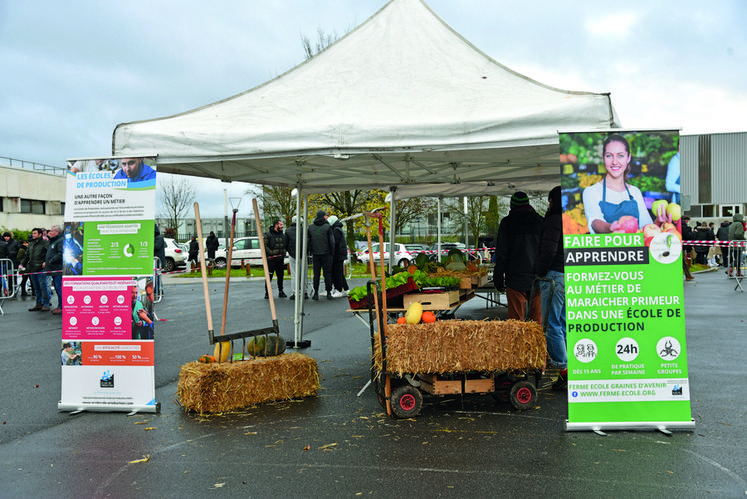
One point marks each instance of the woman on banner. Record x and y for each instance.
(608, 201)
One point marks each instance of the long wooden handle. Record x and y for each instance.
(202, 268)
(264, 260)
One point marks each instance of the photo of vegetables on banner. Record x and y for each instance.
(627, 361)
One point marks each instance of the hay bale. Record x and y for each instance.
(230, 386)
(460, 346)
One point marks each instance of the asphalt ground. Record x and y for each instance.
(339, 444)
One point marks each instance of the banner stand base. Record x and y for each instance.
(130, 409)
(665, 427)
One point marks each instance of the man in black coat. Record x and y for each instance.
(275, 249)
(321, 246)
(194, 249)
(211, 245)
(159, 251)
(516, 250)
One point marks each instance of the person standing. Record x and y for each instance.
(159, 251)
(24, 275)
(321, 246)
(515, 254)
(687, 235)
(194, 249)
(550, 264)
(289, 239)
(12, 248)
(275, 249)
(340, 254)
(33, 261)
(53, 263)
(211, 244)
(736, 233)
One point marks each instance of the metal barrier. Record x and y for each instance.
(8, 287)
(157, 280)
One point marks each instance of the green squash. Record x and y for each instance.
(265, 346)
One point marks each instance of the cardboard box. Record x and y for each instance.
(432, 301)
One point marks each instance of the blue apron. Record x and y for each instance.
(612, 212)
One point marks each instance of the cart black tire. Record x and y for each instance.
(406, 401)
(523, 395)
(502, 391)
(379, 389)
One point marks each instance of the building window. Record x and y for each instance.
(33, 206)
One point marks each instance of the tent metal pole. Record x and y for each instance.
(300, 230)
(438, 229)
(392, 219)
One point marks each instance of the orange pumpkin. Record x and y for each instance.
(412, 269)
(428, 317)
(401, 320)
(206, 359)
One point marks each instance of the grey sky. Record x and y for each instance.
(73, 70)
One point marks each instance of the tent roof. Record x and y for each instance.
(402, 99)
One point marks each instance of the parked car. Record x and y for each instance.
(446, 247)
(176, 258)
(244, 248)
(402, 257)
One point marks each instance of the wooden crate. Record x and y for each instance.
(432, 301)
(465, 283)
(478, 281)
(430, 383)
(479, 385)
(436, 385)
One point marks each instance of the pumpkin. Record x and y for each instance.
(421, 260)
(412, 269)
(414, 312)
(206, 359)
(401, 320)
(222, 351)
(265, 345)
(428, 317)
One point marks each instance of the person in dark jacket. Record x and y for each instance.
(159, 251)
(33, 262)
(53, 263)
(321, 247)
(289, 239)
(12, 249)
(194, 249)
(551, 265)
(275, 249)
(24, 275)
(722, 234)
(211, 245)
(702, 233)
(518, 240)
(338, 258)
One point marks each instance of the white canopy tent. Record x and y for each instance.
(402, 100)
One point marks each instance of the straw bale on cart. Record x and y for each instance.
(220, 387)
(458, 346)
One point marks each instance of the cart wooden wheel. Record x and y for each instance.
(379, 388)
(406, 401)
(523, 395)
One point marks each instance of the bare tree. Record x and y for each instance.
(323, 41)
(176, 194)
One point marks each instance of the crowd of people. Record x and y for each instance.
(38, 260)
(728, 256)
(326, 246)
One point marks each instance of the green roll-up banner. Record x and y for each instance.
(627, 354)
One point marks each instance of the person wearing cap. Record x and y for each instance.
(338, 258)
(515, 255)
(289, 238)
(321, 247)
(275, 248)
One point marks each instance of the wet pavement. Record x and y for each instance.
(339, 444)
